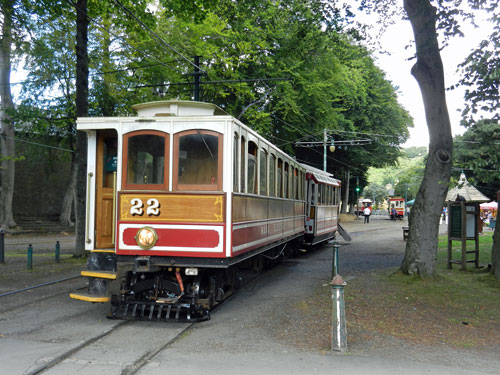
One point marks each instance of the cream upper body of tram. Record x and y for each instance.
(183, 179)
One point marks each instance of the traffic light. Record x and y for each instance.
(357, 189)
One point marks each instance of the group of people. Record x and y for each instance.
(486, 217)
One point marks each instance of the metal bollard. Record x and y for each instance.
(2, 246)
(339, 333)
(29, 264)
(58, 251)
(335, 259)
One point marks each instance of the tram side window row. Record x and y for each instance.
(261, 172)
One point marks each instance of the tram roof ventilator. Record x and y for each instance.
(177, 108)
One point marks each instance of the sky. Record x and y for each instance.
(397, 67)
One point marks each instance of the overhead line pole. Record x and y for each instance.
(325, 139)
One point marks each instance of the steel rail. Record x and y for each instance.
(54, 361)
(38, 286)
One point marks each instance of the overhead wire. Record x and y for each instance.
(156, 36)
(39, 144)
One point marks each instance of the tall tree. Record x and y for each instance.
(7, 132)
(421, 247)
(481, 76)
(82, 107)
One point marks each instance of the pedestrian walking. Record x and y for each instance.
(367, 213)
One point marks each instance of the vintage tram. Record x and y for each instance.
(181, 198)
(396, 208)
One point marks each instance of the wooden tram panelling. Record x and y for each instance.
(259, 221)
(326, 220)
(177, 208)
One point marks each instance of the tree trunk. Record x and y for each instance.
(421, 247)
(82, 92)
(495, 253)
(346, 192)
(69, 196)
(7, 132)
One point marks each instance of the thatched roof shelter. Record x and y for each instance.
(466, 192)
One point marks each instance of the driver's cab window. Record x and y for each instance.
(145, 160)
(197, 161)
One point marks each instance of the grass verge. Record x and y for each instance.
(457, 309)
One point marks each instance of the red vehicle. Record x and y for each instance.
(180, 199)
(396, 208)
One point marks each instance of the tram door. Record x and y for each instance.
(107, 142)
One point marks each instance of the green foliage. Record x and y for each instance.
(293, 71)
(375, 192)
(406, 177)
(477, 153)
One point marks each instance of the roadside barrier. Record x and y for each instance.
(2, 246)
(58, 251)
(339, 332)
(29, 263)
(335, 259)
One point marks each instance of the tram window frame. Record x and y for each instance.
(252, 176)
(243, 170)
(296, 183)
(236, 162)
(125, 161)
(272, 175)
(279, 178)
(286, 186)
(263, 159)
(175, 165)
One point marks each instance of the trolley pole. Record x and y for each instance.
(339, 332)
(2, 246)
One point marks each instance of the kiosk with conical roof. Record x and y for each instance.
(463, 220)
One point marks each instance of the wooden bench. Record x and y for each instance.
(405, 233)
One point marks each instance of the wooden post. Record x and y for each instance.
(464, 236)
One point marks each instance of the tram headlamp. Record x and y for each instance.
(146, 238)
(191, 271)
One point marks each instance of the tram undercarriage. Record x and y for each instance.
(169, 293)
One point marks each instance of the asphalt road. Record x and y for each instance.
(245, 336)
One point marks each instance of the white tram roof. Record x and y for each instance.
(177, 108)
(320, 176)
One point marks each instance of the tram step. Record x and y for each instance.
(87, 297)
(110, 275)
(158, 312)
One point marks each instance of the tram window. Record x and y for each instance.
(280, 178)
(198, 164)
(285, 182)
(272, 176)
(110, 161)
(252, 168)
(235, 163)
(263, 172)
(146, 160)
(296, 183)
(242, 168)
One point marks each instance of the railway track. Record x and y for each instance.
(39, 286)
(114, 339)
